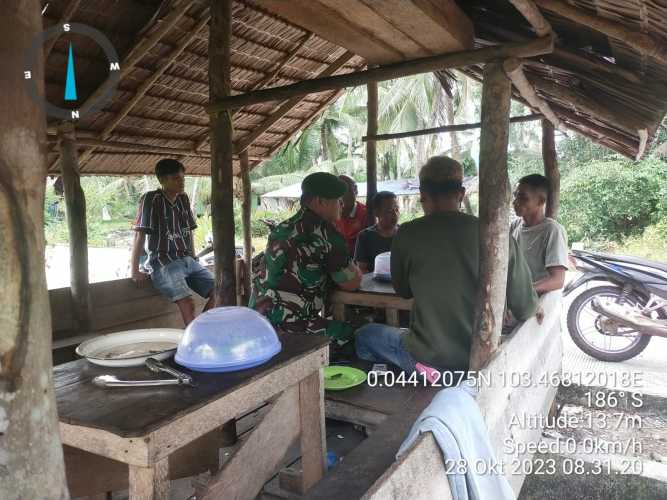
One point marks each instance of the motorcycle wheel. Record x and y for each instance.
(581, 306)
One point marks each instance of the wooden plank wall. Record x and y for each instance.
(532, 349)
(117, 305)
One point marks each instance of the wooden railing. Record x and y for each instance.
(533, 352)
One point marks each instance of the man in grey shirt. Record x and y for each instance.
(542, 240)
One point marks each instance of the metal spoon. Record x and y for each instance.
(113, 381)
(157, 366)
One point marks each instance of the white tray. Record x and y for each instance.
(132, 347)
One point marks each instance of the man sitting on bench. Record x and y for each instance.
(435, 259)
(165, 216)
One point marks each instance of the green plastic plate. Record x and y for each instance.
(337, 378)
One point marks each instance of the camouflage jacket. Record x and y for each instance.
(304, 257)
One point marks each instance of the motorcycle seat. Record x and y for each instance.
(633, 260)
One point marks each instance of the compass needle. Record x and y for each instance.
(73, 110)
(70, 84)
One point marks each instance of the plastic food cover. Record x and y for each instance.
(227, 339)
(382, 265)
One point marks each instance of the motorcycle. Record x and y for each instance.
(615, 320)
(205, 257)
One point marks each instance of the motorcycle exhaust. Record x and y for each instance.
(630, 318)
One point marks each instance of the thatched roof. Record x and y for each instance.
(169, 119)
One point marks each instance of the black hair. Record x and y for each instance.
(307, 198)
(537, 182)
(168, 166)
(434, 188)
(380, 197)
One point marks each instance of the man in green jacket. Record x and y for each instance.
(305, 258)
(435, 259)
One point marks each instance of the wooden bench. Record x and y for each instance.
(371, 472)
(116, 306)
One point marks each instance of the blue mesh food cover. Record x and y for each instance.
(226, 339)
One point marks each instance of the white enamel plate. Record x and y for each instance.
(132, 347)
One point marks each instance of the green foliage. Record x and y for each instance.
(651, 244)
(612, 200)
(521, 163)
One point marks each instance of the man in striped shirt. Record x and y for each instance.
(165, 219)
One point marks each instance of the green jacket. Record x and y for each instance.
(305, 256)
(435, 259)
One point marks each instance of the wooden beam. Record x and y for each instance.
(64, 18)
(551, 171)
(32, 458)
(304, 124)
(578, 100)
(382, 31)
(134, 56)
(371, 151)
(150, 483)
(75, 200)
(259, 457)
(265, 80)
(514, 69)
(594, 130)
(562, 57)
(159, 71)
(446, 128)
(586, 63)
(493, 215)
(246, 208)
(641, 42)
(423, 65)
(533, 15)
(145, 45)
(246, 141)
(89, 140)
(222, 169)
(139, 148)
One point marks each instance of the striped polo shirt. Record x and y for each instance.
(167, 225)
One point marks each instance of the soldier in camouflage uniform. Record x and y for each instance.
(305, 256)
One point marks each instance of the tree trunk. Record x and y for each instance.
(75, 201)
(371, 150)
(247, 228)
(456, 147)
(551, 171)
(31, 456)
(193, 196)
(222, 186)
(493, 215)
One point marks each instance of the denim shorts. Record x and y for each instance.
(178, 279)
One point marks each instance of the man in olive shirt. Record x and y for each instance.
(435, 259)
(542, 240)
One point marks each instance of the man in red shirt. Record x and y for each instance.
(353, 214)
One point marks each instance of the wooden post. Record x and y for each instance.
(222, 186)
(551, 171)
(31, 458)
(313, 434)
(514, 70)
(493, 215)
(75, 201)
(371, 150)
(247, 229)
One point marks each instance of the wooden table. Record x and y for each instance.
(371, 293)
(144, 426)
